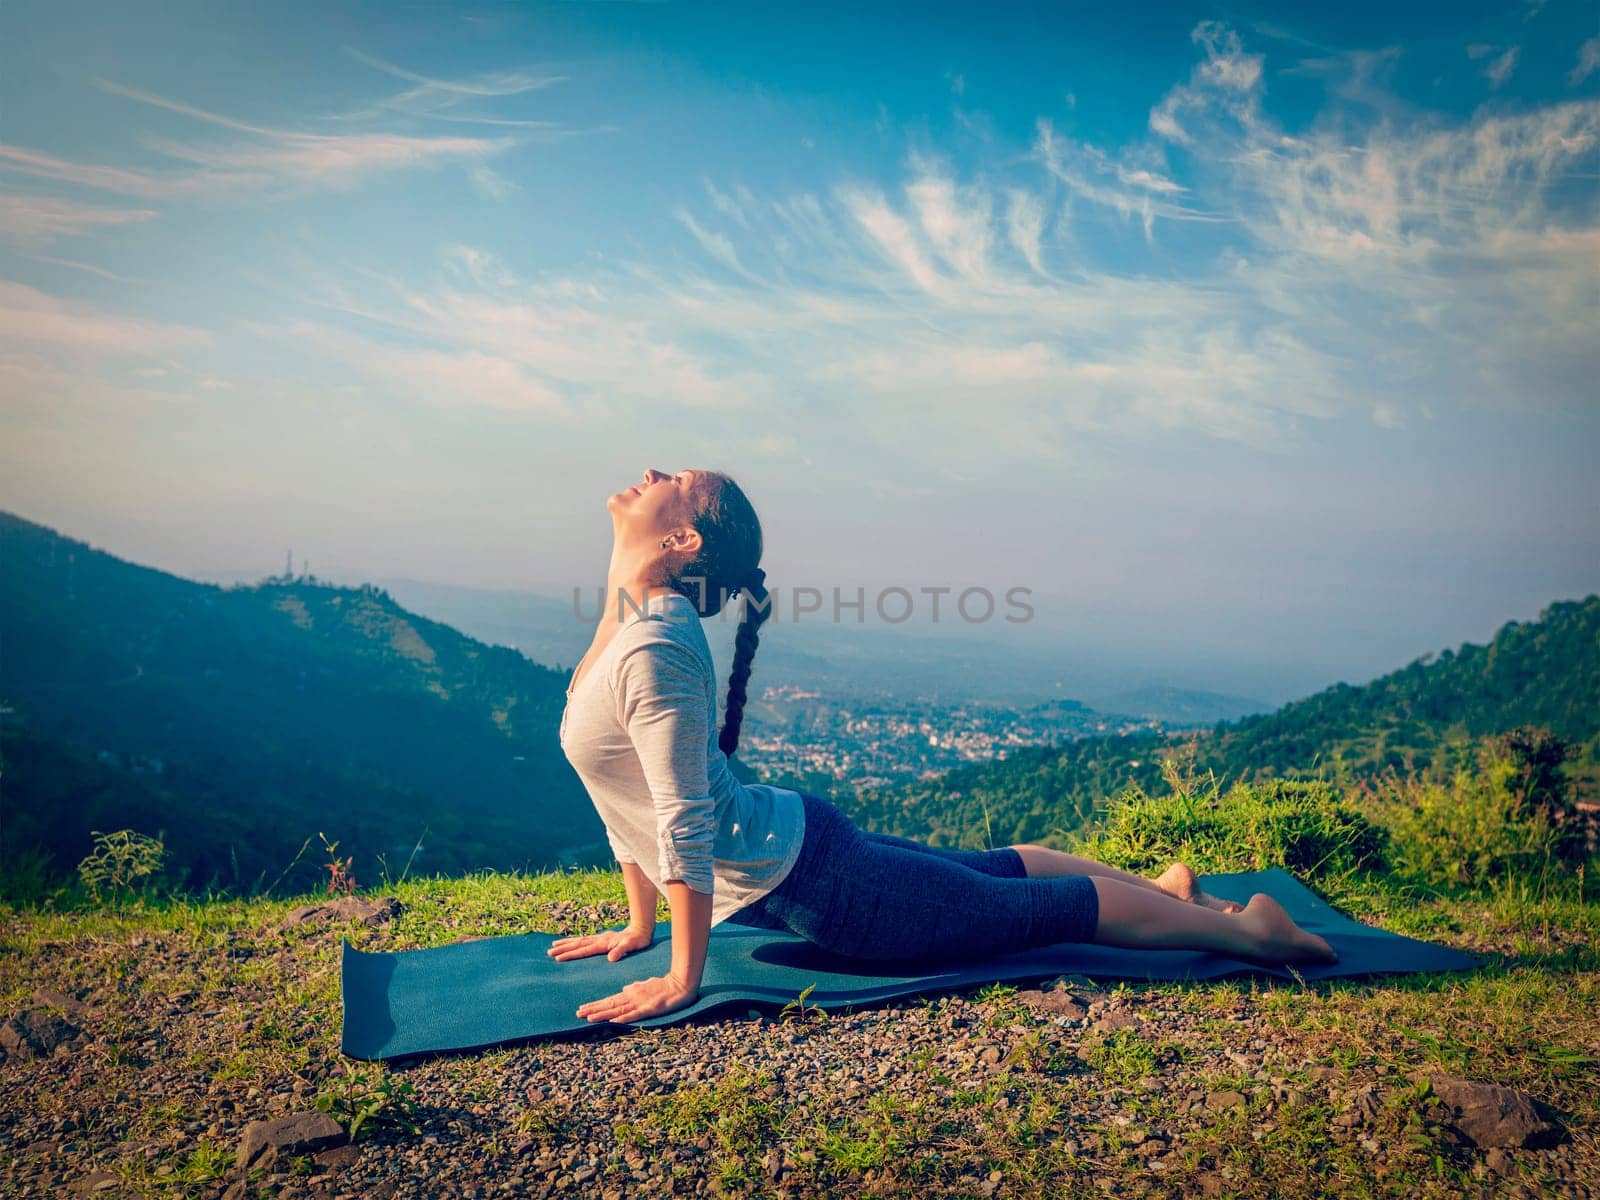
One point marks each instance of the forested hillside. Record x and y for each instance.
(1423, 717)
(241, 721)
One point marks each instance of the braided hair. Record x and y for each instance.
(727, 564)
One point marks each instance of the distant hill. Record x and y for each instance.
(1421, 717)
(947, 664)
(243, 720)
(1181, 707)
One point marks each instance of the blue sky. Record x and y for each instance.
(1247, 334)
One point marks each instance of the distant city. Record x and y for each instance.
(797, 732)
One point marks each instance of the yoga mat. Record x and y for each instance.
(475, 994)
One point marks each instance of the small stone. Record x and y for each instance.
(1217, 1101)
(339, 1156)
(35, 1034)
(263, 1142)
(1078, 983)
(1061, 1003)
(67, 1006)
(1114, 1020)
(345, 908)
(1489, 1114)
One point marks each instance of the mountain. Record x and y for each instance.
(243, 720)
(1422, 717)
(950, 663)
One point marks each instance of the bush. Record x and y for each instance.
(1300, 825)
(368, 1100)
(27, 880)
(121, 864)
(1510, 815)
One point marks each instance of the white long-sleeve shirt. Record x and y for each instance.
(640, 732)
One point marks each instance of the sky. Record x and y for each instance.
(1260, 339)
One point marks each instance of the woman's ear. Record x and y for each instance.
(687, 539)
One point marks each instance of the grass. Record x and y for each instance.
(1065, 1109)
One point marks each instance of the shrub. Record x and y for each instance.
(122, 863)
(1509, 815)
(1300, 825)
(26, 879)
(369, 1099)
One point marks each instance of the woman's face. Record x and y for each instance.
(655, 506)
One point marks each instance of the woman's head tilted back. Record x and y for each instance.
(701, 537)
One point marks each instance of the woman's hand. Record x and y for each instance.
(613, 943)
(643, 998)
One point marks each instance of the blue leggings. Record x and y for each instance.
(874, 895)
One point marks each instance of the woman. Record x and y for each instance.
(639, 721)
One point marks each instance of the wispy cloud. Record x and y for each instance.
(32, 218)
(1129, 190)
(1025, 226)
(1351, 268)
(1354, 268)
(264, 159)
(491, 184)
(442, 99)
(286, 155)
(1588, 62)
(36, 321)
(90, 268)
(504, 83)
(718, 246)
(1502, 62)
(146, 185)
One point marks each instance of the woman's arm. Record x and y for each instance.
(663, 703)
(691, 933)
(642, 898)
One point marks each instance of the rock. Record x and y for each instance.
(1062, 1003)
(1078, 983)
(1114, 1020)
(339, 1156)
(67, 1006)
(35, 1034)
(96, 1182)
(264, 1142)
(1362, 1110)
(345, 908)
(1489, 1114)
(1217, 1101)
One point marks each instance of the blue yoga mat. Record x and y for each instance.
(483, 993)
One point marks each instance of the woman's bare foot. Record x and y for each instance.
(1178, 880)
(1280, 939)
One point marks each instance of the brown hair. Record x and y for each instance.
(729, 562)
